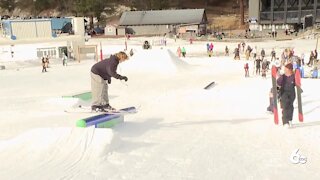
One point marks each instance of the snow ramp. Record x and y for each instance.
(155, 61)
(54, 153)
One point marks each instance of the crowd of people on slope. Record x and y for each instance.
(45, 61)
(262, 61)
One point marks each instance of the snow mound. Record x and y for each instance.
(154, 61)
(64, 152)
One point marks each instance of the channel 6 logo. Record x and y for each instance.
(297, 158)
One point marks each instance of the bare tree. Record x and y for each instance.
(241, 12)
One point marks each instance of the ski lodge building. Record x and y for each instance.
(159, 22)
(283, 14)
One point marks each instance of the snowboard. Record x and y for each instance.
(275, 94)
(299, 91)
(87, 109)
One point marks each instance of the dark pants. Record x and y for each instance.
(246, 72)
(287, 99)
(258, 70)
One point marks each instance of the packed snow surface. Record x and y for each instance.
(181, 130)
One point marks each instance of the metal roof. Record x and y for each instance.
(181, 16)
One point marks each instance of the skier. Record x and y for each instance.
(287, 94)
(101, 72)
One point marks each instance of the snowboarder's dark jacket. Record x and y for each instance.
(107, 68)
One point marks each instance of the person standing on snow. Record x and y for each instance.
(263, 53)
(246, 70)
(64, 59)
(44, 65)
(264, 68)
(273, 54)
(208, 48)
(254, 52)
(236, 54)
(183, 51)
(257, 62)
(286, 82)
(179, 51)
(101, 74)
(226, 51)
(211, 47)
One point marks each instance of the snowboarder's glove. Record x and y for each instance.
(109, 81)
(124, 78)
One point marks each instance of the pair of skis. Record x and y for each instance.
(275, 94)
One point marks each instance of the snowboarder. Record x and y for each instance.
(101, 74)
(287, 94)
